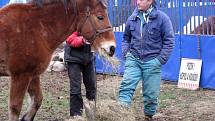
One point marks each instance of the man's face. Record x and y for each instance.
(144, 4)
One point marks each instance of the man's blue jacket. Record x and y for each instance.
(155, 41)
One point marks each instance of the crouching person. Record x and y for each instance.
(80, 65)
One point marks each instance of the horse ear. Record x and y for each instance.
(104, 3)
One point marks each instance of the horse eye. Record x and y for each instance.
(100, 17)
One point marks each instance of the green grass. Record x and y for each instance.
(165, 98)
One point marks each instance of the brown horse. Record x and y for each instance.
(207, 27)
(29, 34)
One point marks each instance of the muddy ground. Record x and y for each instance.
(174, 104)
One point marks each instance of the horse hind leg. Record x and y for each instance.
(36, 97)
(18, 87)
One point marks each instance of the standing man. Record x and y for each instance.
(80, 64)
(147, 43)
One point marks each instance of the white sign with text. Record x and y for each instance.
(189, 75)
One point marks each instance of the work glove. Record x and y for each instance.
(75, 41)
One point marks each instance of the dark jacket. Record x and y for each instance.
(82, 55)
(157, 39)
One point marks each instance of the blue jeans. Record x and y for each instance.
(150, 73)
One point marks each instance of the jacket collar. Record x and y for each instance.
(152, 15)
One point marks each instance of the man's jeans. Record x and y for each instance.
(150, 73)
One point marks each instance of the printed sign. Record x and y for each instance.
(189, 75)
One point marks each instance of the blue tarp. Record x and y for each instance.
(208, 61)
(170, 70)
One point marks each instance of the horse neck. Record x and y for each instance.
(56, 25)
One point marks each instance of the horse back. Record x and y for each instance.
(21, 46)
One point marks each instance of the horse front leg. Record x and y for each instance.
(18, 87)
(36, 97)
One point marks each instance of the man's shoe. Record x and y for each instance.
(148, 118)
(76, 118)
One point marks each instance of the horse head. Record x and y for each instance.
(93, 23)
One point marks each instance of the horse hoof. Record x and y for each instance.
(24, 118)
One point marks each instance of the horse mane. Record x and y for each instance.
(42, 2)
(47, 1)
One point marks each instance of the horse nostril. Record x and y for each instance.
(112, 50)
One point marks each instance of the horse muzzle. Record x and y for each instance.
(109, 48)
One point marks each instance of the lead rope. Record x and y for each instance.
(94, 62)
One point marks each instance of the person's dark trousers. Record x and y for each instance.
(74, 72)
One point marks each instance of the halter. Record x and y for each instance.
(96, 32)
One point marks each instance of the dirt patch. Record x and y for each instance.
(174, 104)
